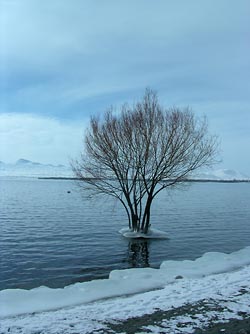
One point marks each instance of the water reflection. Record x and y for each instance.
(138, 253)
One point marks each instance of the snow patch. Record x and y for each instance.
(152, 234)
(210, 263)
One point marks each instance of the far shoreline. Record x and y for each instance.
(187, 180)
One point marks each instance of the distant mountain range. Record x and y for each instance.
(222, 174)
(27, 168)
(25, 162)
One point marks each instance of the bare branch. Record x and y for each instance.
(135, 154)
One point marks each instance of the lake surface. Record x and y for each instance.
(54, 238)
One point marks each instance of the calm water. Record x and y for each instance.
(51, 237)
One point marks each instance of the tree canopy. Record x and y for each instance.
(137, 152)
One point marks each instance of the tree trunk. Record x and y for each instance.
(147, 225)
(135, 222)
(146, 216)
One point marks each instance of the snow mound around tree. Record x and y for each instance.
(152, 234)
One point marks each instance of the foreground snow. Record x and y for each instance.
(179, 282)
(222, 289)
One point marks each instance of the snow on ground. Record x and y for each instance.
(91, 317)
(103, 301)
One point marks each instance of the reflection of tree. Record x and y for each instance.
(138, 253)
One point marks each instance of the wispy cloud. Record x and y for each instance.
(89, 48)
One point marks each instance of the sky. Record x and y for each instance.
(62, 61)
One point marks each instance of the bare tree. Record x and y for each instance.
(136, 153)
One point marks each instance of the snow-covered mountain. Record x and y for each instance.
(222, 174)
(27, 168)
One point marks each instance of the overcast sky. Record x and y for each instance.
(62, 61)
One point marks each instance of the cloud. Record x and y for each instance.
(230, 120)
(37, 138)
(62, 61)
(85, 49)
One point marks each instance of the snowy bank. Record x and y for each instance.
(120, 283)
(195, 303)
